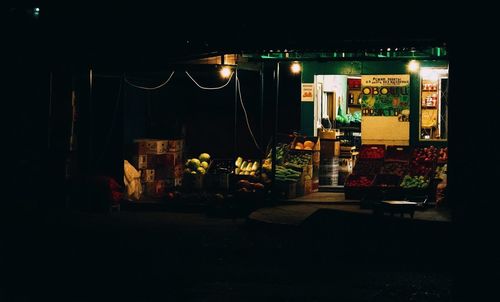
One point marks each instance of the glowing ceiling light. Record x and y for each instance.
(225, 72)
(413, 66)
(295, 67)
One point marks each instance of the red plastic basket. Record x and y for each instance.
(372, 152)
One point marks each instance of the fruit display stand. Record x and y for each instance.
(312, 145)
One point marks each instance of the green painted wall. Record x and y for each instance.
(310, 69)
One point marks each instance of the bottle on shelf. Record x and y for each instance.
(351, 98)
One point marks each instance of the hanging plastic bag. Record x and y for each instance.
(132, 180)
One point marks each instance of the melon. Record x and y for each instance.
(194, 163)
(204, 157)
(308, 144)
(204, 164)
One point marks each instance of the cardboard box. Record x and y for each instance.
(157, 146)
(173, 182)
(163, 172)
(156, 188)
(144, 161)
(148, 175)
(175, 145)
(150, 146)
(140, 146)
(307, 187)
(169, 159)
(286, 189)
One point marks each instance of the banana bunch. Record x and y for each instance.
(244, 167)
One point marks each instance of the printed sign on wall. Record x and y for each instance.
(307, 92)
(385, 95)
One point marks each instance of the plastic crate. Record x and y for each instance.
(367, 166)
(398, 153)
(386, 181)
(399, 168)
(372, 152)
(352, 191)
(415, 158)
(427, 169)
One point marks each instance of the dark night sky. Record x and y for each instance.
(115, 32)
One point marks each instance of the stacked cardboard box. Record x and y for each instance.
(161, 164)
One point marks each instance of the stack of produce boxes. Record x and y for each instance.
(396, 165)
(312, 146)
(160, 163)
(359, 184)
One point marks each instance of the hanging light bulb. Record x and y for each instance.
(225, 72)
(295, 67)
(413, 66)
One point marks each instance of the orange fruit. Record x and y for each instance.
(309, 144)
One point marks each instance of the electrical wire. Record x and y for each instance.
(149, 88)
(210, 88)
(246, 115)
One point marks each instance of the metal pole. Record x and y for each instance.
(91, 79)
(236, 83)
(262, 142)
(49, 122)
(277, 75)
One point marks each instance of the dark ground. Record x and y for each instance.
(165, 256)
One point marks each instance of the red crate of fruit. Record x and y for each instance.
(386, 181)
(367, 166)
(358, 186)
(399, 168)
(425, 155)
(372, 152)
(398, 153)
(422, 169)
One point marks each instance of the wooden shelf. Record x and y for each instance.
(429, 107)
(354, 105)
(427, 90)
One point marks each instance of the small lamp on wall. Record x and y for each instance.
(225, 72)
(295, 67)
(413, 66)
